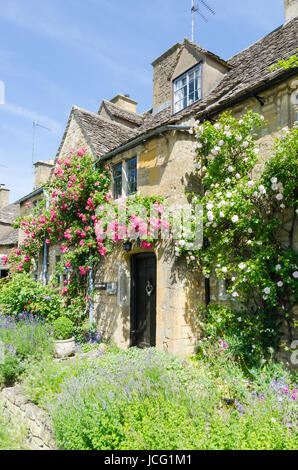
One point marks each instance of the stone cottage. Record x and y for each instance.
(8, 235)
(151, 153)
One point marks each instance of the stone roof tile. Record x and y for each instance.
(118, 112)
(9, 213)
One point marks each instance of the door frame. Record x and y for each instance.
(133, 316)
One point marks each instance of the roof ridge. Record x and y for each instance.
(258, 40)
(109, 103)
(100, 118)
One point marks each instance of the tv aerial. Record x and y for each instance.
(35, 125)
(197, 9)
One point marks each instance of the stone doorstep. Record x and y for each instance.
(22, 412)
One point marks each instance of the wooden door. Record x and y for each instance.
(143, 300)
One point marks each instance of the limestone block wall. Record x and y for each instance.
(178, 293)
(163, 69)
(74, 139)
(29, 418)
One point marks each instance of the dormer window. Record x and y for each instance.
(188, 88)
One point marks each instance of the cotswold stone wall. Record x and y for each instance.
(163, 69)
(28, 417)
(165, 168)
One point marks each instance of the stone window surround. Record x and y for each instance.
(124, 162)
(199, 66)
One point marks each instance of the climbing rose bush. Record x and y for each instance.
(79, 214)
(242, 215)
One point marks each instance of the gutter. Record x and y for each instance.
(253, 93)
(28, 196)
(140, 139)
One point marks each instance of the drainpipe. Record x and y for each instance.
(45, 248)
(206, 242)
(91, 292)
(91, 272)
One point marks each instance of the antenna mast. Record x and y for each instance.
(35, 125)
(195, 9)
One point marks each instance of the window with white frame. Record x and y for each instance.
(131, 175)
(117, 181)
(188, 88)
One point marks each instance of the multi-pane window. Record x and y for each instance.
(117, 180)
(188, 88)
(131, 172)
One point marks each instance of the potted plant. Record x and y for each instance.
(64, 342)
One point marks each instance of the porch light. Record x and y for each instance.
(127, 246)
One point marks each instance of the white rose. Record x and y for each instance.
(210, 216)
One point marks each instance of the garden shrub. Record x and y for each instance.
(22, 337)
(87, 333)
(21, 293)
(62, 328)
(145, 399)
(250, 335)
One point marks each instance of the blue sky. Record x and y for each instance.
(57, 53)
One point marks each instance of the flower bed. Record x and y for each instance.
(145, 399)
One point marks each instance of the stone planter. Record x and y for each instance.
(64, 348)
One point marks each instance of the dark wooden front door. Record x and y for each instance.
(143, 300)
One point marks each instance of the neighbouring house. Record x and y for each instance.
(42, 172)
(8, 235)
(151, 153)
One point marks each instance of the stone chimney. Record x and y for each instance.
(4, 196)
(42, 172)
(163, 68)
(291, 9)
(125, 102)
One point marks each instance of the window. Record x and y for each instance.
(187, 88)
(131, 169)
(117, 177)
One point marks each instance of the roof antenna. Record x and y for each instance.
(195, 9)
(35, 125)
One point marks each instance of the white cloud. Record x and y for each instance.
(30, 115)
(46, 21)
